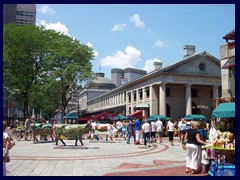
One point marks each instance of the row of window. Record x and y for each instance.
(25, 13)
(193, 94)
(24, 20)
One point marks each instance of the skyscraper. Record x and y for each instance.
(131, 74)
(116, 76)
(19, 14)
(120, 76)
(26, 14)
(9, 13)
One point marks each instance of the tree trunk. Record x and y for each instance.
(25, 107)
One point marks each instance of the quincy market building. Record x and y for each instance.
(186, 87)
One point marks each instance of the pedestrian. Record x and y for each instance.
(6, 146)
(159, 125)
(153, 130)
(131, 131)
(27, 127)
(137, 130)
(124, 129)
(146, 132)
(170, 129)
(204, 160)
(119, 128)
(194, 150)
(183, 129)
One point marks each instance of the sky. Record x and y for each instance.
(125, 35)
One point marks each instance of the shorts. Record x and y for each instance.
(160, 134)
(183, 131)
(153, 134)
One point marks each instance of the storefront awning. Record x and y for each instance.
(137, 114)
(197, 117)
(142, 107)
(229, 63)
(224, 110)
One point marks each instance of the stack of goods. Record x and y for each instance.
(224, 140)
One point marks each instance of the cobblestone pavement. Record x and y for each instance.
(97, 159)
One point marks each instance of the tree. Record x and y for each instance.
(24, 53)
(35, 57)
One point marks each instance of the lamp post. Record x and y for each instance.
(60, 117)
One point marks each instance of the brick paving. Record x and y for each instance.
(97, 159)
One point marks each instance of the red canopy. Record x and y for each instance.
(137, 114)
(103, 115)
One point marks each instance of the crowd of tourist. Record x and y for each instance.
(144, 131)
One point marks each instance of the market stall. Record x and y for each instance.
(222, 141)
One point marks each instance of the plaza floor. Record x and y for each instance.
(97, 158)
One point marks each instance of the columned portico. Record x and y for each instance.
(162, 99)
(188, 99)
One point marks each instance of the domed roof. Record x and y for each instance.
(100, 82)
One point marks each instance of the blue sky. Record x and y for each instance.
(128, 35)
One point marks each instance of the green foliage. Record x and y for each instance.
(35, 58)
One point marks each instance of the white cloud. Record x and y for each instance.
(149, 64)
(135, 19)
(160, 44)
(95, 53)
(59, 27)
(45, 9)
(119, 27)
(120, 59)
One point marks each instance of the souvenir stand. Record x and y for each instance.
(222, 139)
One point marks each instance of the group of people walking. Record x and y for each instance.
(152, 131)
(141, 130)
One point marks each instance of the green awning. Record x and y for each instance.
(197, 117)
(224, 110)
(155, 117)
(70, 116)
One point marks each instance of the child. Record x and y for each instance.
(205, 160)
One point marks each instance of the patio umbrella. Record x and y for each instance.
(154, 117)
(120, 117)
(196, 117)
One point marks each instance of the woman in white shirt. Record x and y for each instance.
(6, 140)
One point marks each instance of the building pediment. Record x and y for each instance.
(201, 64)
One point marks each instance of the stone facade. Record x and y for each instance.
(186, 87)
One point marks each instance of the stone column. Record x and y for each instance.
(138, 96)
(121, 100)
(151, 100)
(144, 100)
(215, 94)
(162, 99)
(188, 99)
(132, 99)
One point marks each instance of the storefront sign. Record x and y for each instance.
(197, 79)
